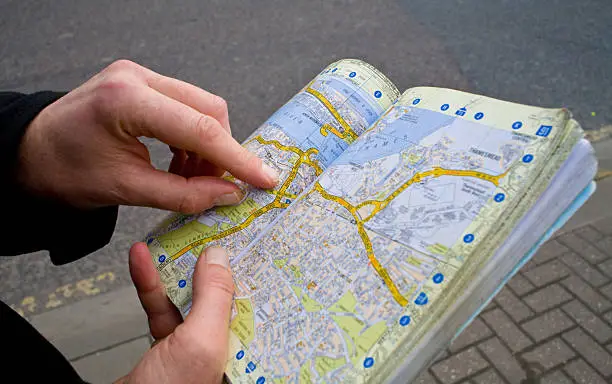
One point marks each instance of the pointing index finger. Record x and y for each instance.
(181, 126)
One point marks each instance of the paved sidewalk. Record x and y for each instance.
(552, 323)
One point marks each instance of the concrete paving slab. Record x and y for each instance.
(109, 365)
(96, 324)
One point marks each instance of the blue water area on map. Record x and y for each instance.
(402, 133)
(366, 110)
(357, 98)
(330, 147)
(296, 120)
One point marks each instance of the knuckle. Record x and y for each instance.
(219, 106)
(111, 92)
(122, 65)
(189, 204)
(207, 128)
(219, 279)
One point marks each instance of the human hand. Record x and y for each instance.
(84, 150)
(194, 350)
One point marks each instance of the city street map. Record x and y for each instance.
(387, 209)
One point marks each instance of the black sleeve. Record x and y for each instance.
(31, 223)
(29, 356)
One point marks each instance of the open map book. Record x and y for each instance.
(396, 219)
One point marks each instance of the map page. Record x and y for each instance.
(347, 280)
(300, 141)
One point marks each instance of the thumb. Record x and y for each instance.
(164, 190)
(213, 292)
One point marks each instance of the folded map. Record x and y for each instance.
(396, 218)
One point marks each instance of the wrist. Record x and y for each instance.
(31, 155)
(15, 118)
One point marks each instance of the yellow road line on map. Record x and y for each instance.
(382, 272)
(304, 158)
(381, 204)
(349, 135)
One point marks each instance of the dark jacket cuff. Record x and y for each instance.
(32, 223)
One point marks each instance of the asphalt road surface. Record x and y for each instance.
(258, 54)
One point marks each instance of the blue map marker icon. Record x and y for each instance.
(438, 278)
(421, 299)
(404, 320)
(250, 367)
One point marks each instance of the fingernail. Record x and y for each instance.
(228, 199)
(217, 255)
(270, 172)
